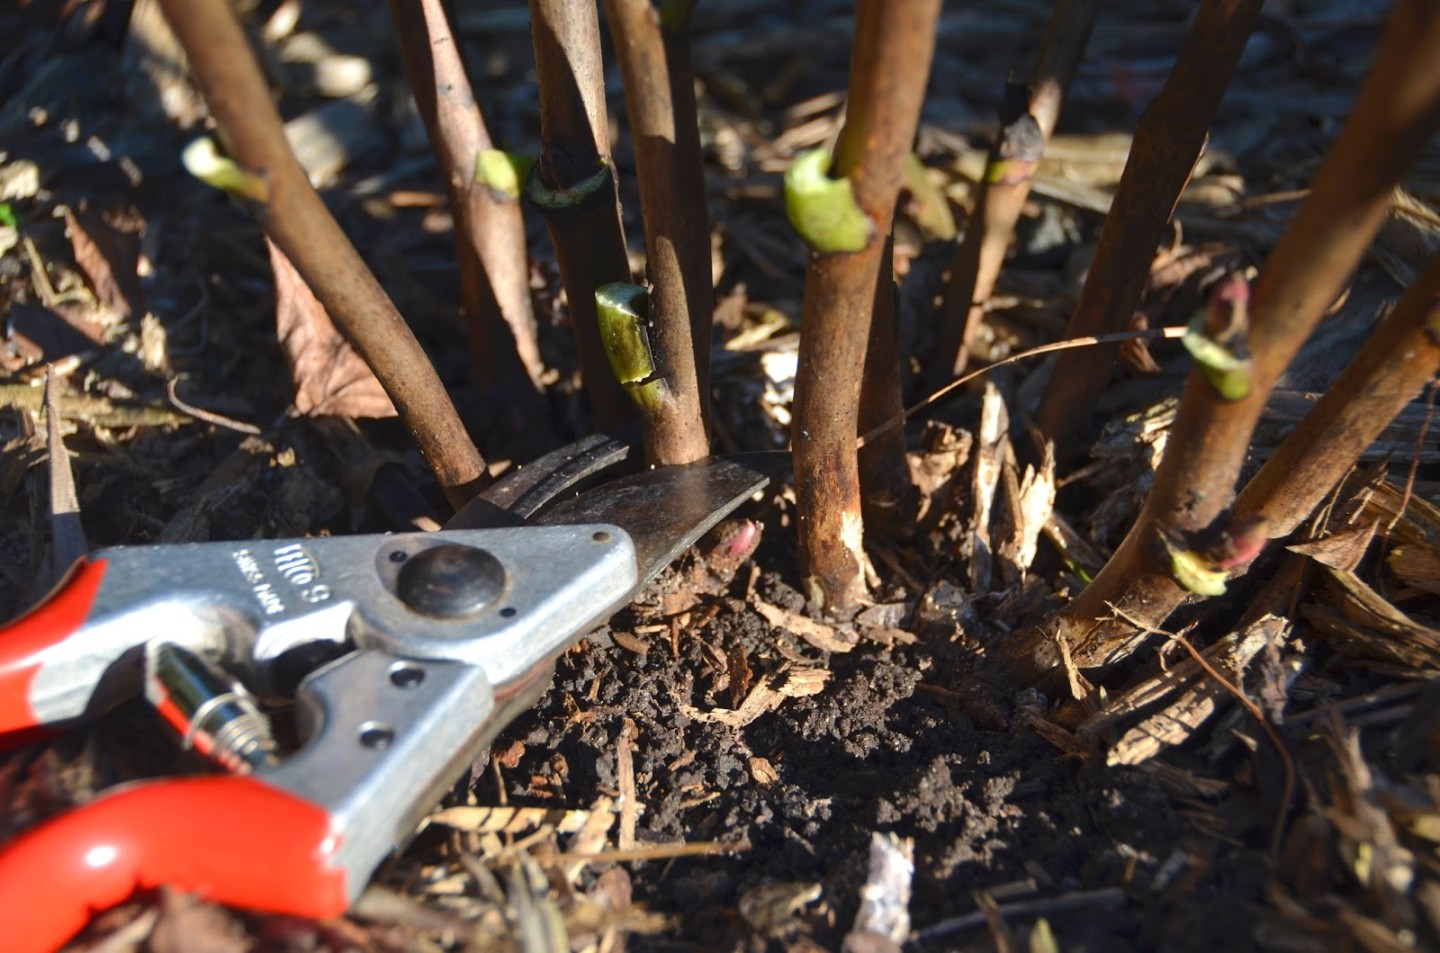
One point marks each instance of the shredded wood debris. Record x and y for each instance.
(1186, 712)
(518, 820)
(885, 897)
(1358, 621)
(990, 446)
(824, 637)
(1030, 498)
(766, 695)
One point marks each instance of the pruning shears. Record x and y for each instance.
(405, 654)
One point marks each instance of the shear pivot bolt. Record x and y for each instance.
(450, 581)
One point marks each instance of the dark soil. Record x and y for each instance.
(871, 753)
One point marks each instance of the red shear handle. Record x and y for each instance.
(235, 840)
(22, 642)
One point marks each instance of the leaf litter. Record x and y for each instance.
(716, 768)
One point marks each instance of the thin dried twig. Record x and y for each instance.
(210, 417)
(1039, 351)
(67, 536)
(297, 221)
(656, 852)
(1397, 109)
(1105, 898)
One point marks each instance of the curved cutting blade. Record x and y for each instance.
(522, 491)
(667, 509)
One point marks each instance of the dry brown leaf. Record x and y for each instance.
(800, 682)
(763, 771)
(766, 696)
(1080, 688)
(1407, 517)
(630, 643)
(762, 698)
(1409, 238)
(1031, 499)
(591, 839)
(1230, 656)
(885, 897)
(768, 907)
(330, 378)
(630, 806)
(944, 450)
(106, 245)
(889, 636)
(38, 333)
(1360, 622)
(1368, 839)
(1342, 550)
(1135, 353)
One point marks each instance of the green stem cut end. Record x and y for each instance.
(502, 172)
(204, 161)
(623, 310)
(1228, 373)
(1217, 338)
(1193, 571)
(823, 209)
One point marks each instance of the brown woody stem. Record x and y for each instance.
(1168, 141)
(889, 66)
(297, 221)
(489, 229)
(1028, 121)
(653, 49)
(573, 184)
(888, 498)
(1399, 359)
(1395, 113)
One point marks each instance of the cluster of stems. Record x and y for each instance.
(297, 221)
(1397, 110)
(1027, 122)
(1168, 141)
(1192, 533)
(489, 229)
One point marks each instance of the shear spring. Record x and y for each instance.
(214, 714)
